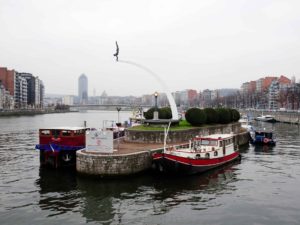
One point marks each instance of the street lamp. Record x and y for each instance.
(156, 95)
(118, 109)
(155, 113)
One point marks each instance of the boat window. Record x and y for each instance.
(195, 144)
(207, 155)
(221, 143)
(228, 142)
(79, 132)
(55, 133)
(213, 142)
(204, 142)
(215, 153)
(209, 142)
(66, 133)
(45, 132)
(269, 135)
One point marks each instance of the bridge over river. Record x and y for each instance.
(123, 107)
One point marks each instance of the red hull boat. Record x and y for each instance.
(200, 155)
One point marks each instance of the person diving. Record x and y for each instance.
(117, 52)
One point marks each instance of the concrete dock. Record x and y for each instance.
(127, 159)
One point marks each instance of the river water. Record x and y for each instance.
(262, 189)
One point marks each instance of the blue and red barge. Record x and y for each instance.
(58, 145)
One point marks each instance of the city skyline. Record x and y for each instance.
(194, 45)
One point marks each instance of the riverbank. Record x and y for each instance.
(30, 112)
(280, 116)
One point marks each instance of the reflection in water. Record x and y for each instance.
(58, 191)
(259, 149)
(244, 149)
(121, 200)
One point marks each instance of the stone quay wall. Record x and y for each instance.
(113, 165)
(138, 136)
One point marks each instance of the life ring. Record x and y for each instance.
(266, 140)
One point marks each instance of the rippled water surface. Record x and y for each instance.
(262, 189)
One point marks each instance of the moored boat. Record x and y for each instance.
(262, 137)
(117, 128)
(266, 118)
(58, 145)
(245, 123)
(200, 155)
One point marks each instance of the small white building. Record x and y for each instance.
(68, 100)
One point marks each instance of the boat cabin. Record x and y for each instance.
(212, 146)
(264, 134)
(201, 154)
(67, 136)
(212, 142)
(263, 137)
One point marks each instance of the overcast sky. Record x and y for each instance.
(190, 44)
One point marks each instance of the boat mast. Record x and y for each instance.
(166, 131)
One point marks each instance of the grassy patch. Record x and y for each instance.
(183, 125)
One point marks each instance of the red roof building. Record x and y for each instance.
(267, 82)
(284, 81)
(8, 79)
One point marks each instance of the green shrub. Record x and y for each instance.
(149, 113)
(224, 115)
(211, 115)
(165, 113)
(195, 116)
(235, 115)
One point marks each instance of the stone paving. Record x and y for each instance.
(123, 147)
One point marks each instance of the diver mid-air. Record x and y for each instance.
(117, 51)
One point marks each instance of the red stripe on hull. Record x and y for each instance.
(201, 162)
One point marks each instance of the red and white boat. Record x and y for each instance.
(200, 155)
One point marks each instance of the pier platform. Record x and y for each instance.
(126, 159)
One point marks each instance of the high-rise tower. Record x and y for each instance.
(83, 89)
